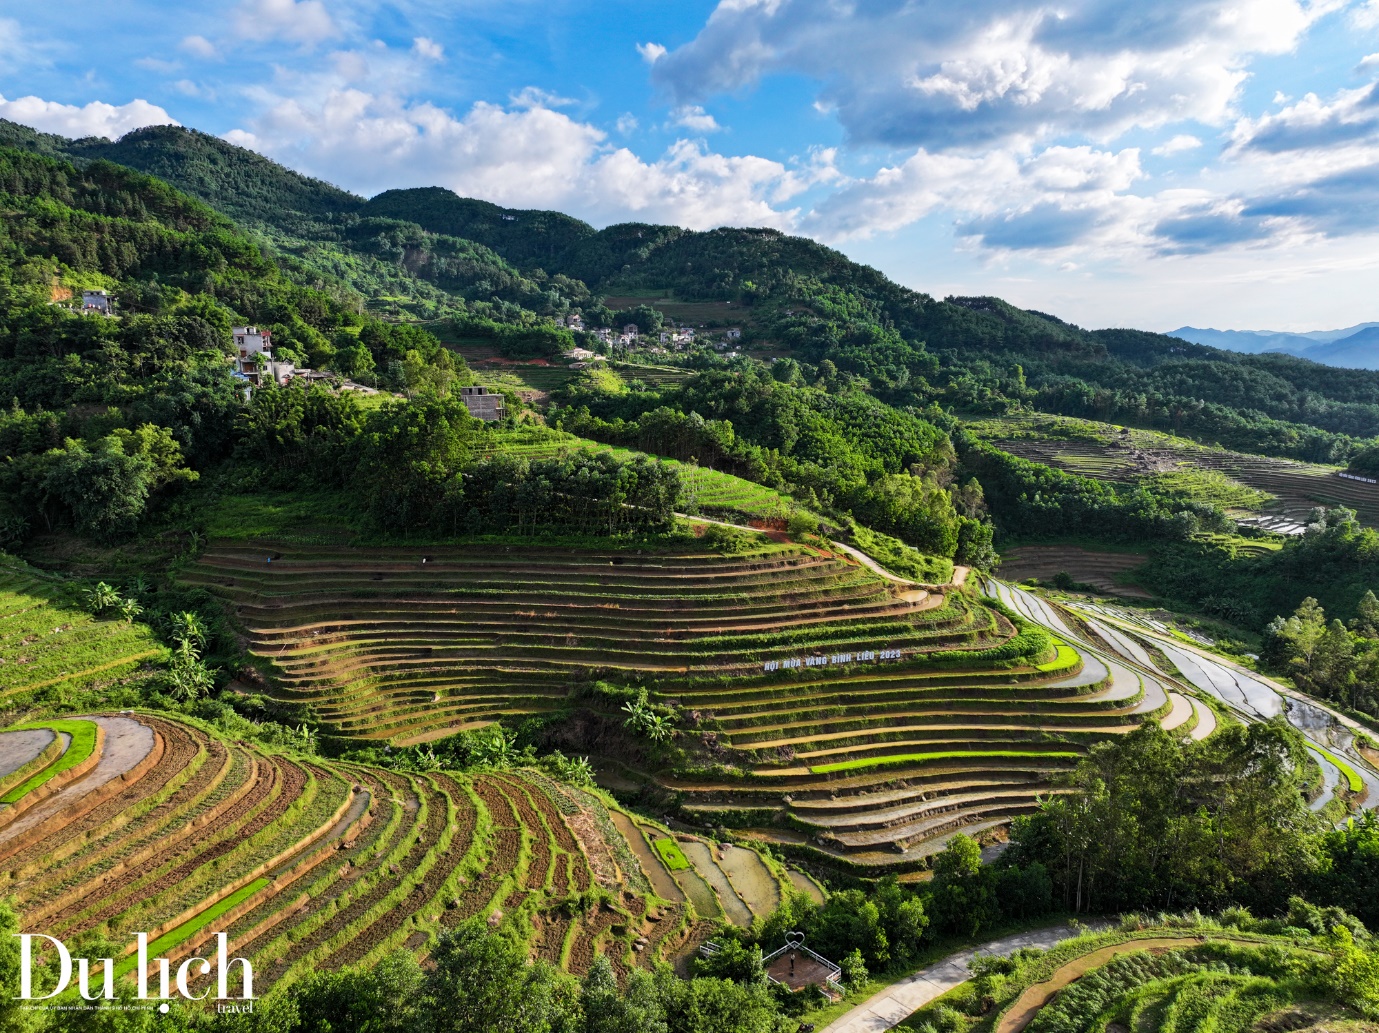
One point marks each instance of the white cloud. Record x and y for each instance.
(154, 64)
(199, 46)
(695, 119)
(13, 46)
(428, 48)
(1177, 145)
(94, 119)
(528, 156)
(297, 21)
(187, 88)
(534, 97)
(627, 124)
(651, 52)
(1366, 15)
(1349, 118)
(1369, 61)
(987, 72)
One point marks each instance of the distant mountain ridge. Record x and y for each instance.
(1354, 347)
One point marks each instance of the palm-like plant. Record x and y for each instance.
(188, 680)
(189, 629)
(129, 609)
(101, 598)
(580, 771)
(304, 738)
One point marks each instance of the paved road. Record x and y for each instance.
(900, 1000)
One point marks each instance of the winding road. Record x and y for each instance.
(900, 1000)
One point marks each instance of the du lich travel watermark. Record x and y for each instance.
(167, 980)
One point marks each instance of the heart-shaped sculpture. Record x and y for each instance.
(794, 939)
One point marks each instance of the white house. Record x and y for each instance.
(733, 334)
(251, 342)
(95, 303)
(574, 321)
(630, 330)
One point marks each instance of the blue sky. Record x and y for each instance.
(1153, 164)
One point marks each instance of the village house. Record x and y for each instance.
(733, 334)
(251, 343)
(574, 321)
(630, 330)
(95, 303)
(482, 403)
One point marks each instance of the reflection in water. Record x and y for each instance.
(1243, 693)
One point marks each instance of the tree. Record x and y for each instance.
(482, 982)
(636, 1010)
(964, 901)
(102, 597)
(104, 488)
(188, 627)
(380, 999)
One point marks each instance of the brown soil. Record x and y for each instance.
(437, 820)
(381, 887)
(1087, 566)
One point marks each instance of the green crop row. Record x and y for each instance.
(671, 854)
(190, 927)
(1352, 777)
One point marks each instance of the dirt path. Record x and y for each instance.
(901, 1000)
(18, 748)
(126, 743)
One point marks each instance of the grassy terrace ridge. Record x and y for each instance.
(908, 758)
(1189, 974)
(221, 834)
(1353, 780)
(49, 642)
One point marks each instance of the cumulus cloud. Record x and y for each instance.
(651, 52)
(1177, 145)
(428, 48)
(1051, 199)
(694, 118)
(964, 75)
(94, 119)
(296, 21)
(1311, 123)
(199, 46)
(525, 155)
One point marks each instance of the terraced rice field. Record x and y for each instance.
(386, 647)
(309, 864)
(866, 762)
(1097, 568)
(880, 766)
(48, 642)
(1124, 457)
(651, 375)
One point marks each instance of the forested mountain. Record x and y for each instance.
(434, 254)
